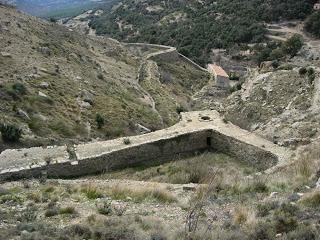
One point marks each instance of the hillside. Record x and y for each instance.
(196, 27)
(58, 8)
(248, 171)
(57, 84)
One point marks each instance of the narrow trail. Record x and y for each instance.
(286, 32)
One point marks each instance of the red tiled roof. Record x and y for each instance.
(218, 70)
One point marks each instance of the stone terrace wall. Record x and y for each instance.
(259, 158)
(196, 132)
(164, 53)
(158, 152)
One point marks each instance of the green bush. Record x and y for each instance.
(105, 208)
(264, 209)
(262, 230)
(16, 90)
(67, 210)
(303, 232)
(311, 75)
(285, 219)
(293, 45)
(233, 76)
(310, 71)
(312, 25)
(100, 120)
(302, 71)
(126, 141)
(92, 192)
(51, 212)
(275, 64)
(19, 88)
(10, 133)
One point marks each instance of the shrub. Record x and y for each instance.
(312, 25)
(275, 64)
(241, 215)
(293, 45)
(78, 232)
(180, 109)
(143, 194)
(100, 120)
(263, 209)
(67, 210)
(100, 76)
(51, 212)
(91, 192)
(257, 186)
(262, 230)
(303, 232)
(53, 20)
(126, 141)
(302, 71)
(311, 75)
(19, 88)
(311, 200)
(285, 219)
(310, 71)
(10, 133)
(234, 76)
(105, 208)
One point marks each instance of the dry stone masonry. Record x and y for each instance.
(196, 132)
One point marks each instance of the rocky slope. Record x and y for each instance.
(54, 83)
(281, 103)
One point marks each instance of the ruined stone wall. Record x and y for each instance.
(153, 152)
(259, 158)
(196, 132)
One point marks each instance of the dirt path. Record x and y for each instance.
(287, 31)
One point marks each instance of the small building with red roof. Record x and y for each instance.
(221, 77)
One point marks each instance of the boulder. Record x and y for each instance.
(45, 51)
(87, 97)
(44, 85)
(318, 184)
(294, 197)
(142, 129)
(84, 104)
(41, 94)
(6, 54)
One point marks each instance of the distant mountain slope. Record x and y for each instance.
(58, 8)
(58, 84)
(195, 27)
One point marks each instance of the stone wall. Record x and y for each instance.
(164, 53)
(196, 132)
(259, 158)
(158, 152)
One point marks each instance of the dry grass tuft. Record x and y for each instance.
(91, 191)
(311, 200)
(244, 215)
(142, 194)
